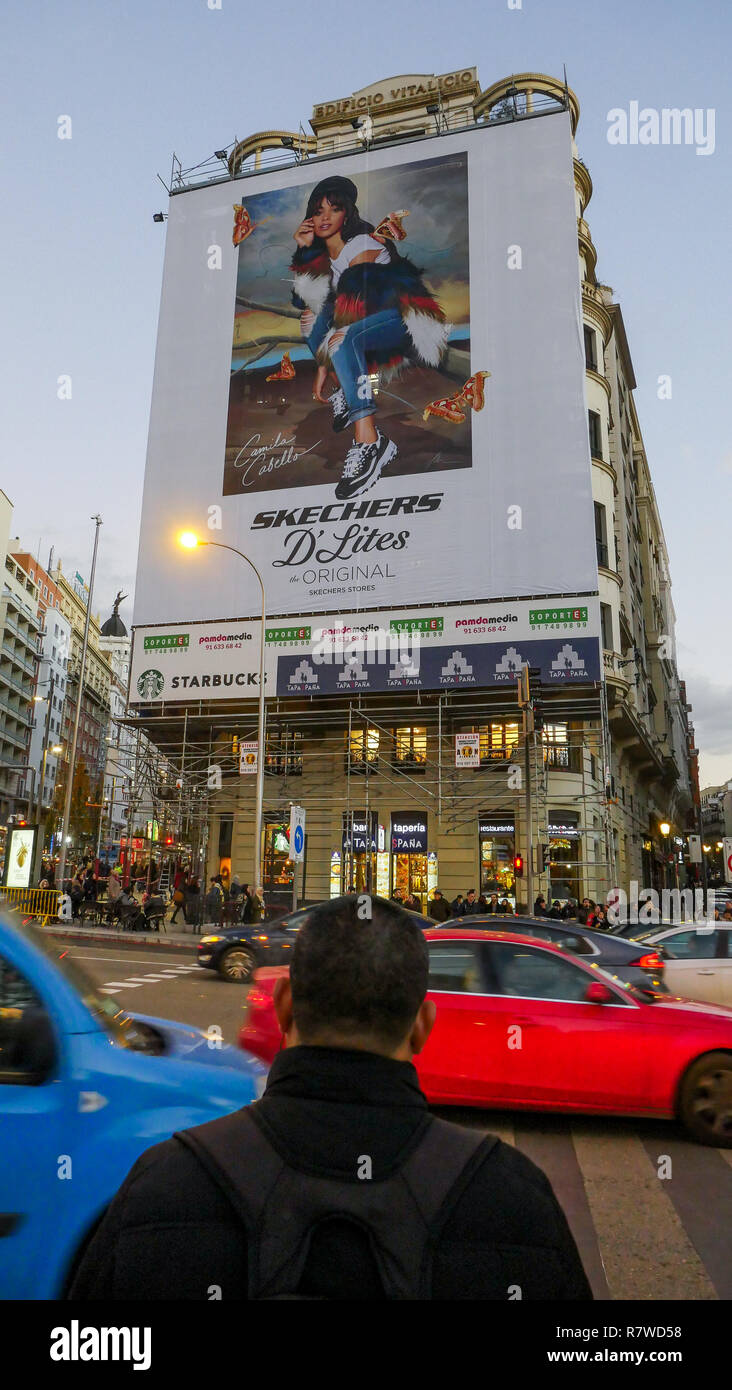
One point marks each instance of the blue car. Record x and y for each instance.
(85, 1088)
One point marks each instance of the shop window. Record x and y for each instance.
(362, 751)
(410, 749)
(283, 754)
(498, 740)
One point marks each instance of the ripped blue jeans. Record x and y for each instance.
(383, 333)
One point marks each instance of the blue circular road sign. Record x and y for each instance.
(299, 838)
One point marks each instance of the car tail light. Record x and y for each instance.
(651, 962)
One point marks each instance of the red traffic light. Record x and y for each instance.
(168, 839)
(22, 822)
(518, 865)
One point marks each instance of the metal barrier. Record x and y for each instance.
(34, 902)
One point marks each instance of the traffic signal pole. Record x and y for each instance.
(524, 699)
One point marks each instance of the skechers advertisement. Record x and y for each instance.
(370, 380)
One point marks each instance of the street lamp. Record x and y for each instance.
(190, 541)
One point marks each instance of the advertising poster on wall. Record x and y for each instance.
(370, 380)
(429, 649)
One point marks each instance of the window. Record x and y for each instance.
(410, 748)
(364, 749)
(593, 767)
(498, 740)
(454, 968)
(595, 428)
(606, 625)
(601, 534)
(691, 945)
(590, 349)
(283, 754)
(556, 746)
(578, 945)
(26, 1043)
(525, 973)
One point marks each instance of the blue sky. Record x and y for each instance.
(82, 259)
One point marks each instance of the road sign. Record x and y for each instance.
(297, 834)
(695, 849)
(727, 851)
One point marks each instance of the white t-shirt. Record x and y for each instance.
(356, 247)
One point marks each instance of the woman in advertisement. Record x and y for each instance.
(365, 309)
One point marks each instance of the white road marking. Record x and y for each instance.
(124, 960)
(121, 984)
(103, 989)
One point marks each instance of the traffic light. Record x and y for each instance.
(169, 839)
(518, 865)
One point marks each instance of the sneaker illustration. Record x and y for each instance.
(340, 410)
(363, 466)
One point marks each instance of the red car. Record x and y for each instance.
(525, 1025)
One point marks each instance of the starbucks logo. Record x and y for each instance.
(150, 684)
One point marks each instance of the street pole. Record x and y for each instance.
(77, 714)
(524, 696)
(39, 802)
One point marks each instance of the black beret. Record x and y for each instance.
(343, 188)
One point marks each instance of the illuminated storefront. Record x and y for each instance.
(497, 840)
(565, 838)
(277, 868)
(409, 859)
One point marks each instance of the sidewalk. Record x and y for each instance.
(178, 937)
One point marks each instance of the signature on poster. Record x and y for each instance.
(255, 459)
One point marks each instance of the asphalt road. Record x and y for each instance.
(651, 1211)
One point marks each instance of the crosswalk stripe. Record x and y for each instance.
(701, 1192)
(548, 1142)
(104, 989)
(645, 1249)
(121, 984)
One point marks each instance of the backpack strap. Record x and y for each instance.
(281, 1207)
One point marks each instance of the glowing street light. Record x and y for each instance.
(665, 828)
(190, 541)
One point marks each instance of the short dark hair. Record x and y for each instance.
(358, 977)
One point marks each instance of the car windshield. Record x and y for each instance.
(121, 1028)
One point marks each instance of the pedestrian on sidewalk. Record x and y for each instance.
(179, 900)
(448, 1212)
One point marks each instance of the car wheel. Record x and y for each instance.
(705, 1100)
(237, 964)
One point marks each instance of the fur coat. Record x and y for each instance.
(367, 289)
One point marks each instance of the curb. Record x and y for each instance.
(131, 940)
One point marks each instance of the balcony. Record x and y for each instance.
(616, 669)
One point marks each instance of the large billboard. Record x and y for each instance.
(370, 379)
(448, 648)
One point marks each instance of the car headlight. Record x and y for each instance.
(206, 940)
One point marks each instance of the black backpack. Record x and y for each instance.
(280, 1207)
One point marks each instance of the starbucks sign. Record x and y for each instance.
(150, 684)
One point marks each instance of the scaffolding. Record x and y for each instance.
(306, 741)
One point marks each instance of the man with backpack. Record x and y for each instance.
(338, 1183)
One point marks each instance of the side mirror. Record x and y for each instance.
(597, 993)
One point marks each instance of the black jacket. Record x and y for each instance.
(171, 1234)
